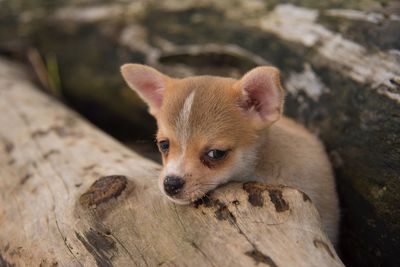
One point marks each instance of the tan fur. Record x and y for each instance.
(273, 150)
(292, 156)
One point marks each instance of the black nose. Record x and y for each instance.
(173, 185)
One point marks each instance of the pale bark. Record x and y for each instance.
(52, 214)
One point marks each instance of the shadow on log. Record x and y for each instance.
(73, 196)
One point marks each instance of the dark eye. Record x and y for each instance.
(216, 154)
(163, 145)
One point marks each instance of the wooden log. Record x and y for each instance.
(73, 196)
(339, 60)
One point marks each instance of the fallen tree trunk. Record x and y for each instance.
(72, 196)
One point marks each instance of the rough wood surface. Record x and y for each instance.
(340, 63)
(332, 50)
(72, 196)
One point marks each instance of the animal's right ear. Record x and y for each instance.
(147, 82)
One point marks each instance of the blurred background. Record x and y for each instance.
(340, 64)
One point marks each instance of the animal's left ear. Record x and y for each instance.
(263, 94)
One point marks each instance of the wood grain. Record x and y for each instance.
(73, 196)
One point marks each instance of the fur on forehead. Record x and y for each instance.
(214, 111)
(259, 90)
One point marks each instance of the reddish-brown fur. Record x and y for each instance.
(201, 113)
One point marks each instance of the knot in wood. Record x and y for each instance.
(103, 190)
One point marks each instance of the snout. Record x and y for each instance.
(173, 185)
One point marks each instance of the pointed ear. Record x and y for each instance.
(147, 82)
(262, 94)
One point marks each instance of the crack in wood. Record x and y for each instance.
(65, 242)
(179, 218)
(9, 147)
(321, 244)
(25, 178)
(222, 212)
(256, 254)
(106, 230)
(100, 247)
(259, 257)
(305, 197)
(196, 247)
(51, 152)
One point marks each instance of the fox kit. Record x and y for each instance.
(212, 130)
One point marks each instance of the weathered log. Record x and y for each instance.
(72, 196)
(339, 61)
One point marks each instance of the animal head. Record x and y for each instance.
(209, 127)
